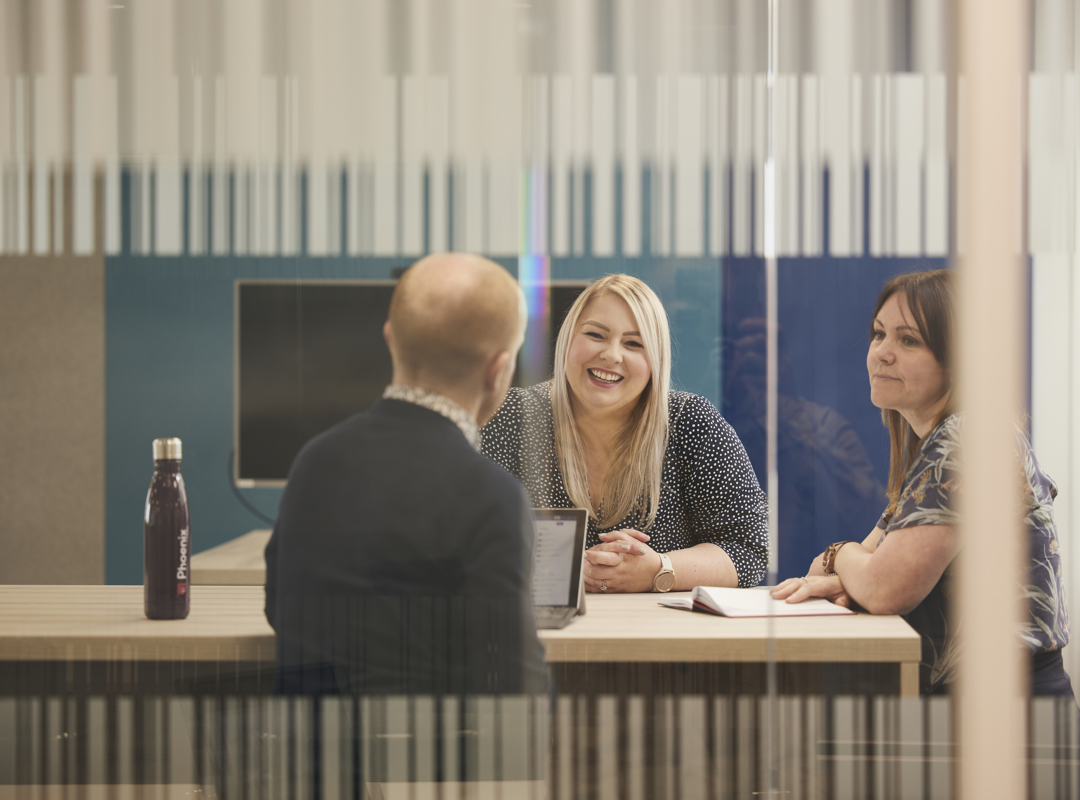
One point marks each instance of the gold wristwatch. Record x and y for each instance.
(665, 578)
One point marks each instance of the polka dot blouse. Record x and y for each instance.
(709, 491)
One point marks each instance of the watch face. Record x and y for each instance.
(664, 581)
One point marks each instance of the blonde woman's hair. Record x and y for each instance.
(632, 479)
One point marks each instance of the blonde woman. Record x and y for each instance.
(673, 501)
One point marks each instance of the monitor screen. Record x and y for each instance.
(309, 354)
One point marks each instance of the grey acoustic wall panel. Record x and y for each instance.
(52, 420)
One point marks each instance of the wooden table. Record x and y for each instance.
(239, 561)
(226, 625)
(107, 623)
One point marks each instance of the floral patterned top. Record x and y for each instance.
(927, 498)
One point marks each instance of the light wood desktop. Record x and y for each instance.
(632, 629)
(106, 623)
(239, 561)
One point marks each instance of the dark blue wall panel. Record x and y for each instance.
(832, 448)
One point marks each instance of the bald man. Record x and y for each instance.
(400, 561)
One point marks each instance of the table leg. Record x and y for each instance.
(909, 678)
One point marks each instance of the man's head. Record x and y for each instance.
(456, 323)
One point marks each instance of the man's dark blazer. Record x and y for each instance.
(400, 564)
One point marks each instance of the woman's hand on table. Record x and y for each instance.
(813, 587)
(623, 562)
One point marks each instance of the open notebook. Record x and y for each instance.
(750, 603)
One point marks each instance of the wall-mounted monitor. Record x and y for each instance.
(310, 353)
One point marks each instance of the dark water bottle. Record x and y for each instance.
(167, 537)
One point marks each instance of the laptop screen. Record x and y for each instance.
(560, 543)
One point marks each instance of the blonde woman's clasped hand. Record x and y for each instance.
(622, 562)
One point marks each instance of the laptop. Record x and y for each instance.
(558, 586)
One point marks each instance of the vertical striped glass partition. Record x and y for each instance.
(880, 186)
(388, 129)
(156, 154)
(379, 129)
(603, 746)
(1055, 289)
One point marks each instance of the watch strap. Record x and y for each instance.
(828, 558)
(665, 569)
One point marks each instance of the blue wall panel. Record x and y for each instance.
(833, 450)
(169, 372)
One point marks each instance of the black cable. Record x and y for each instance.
(241, 498)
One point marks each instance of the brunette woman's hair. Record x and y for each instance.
(930, 298)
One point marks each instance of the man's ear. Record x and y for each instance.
(493, 373)
(388, 335)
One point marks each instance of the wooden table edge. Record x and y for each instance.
(695, 651)
(210, 576)
(256, 648)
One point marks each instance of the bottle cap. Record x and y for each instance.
(167, 448)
